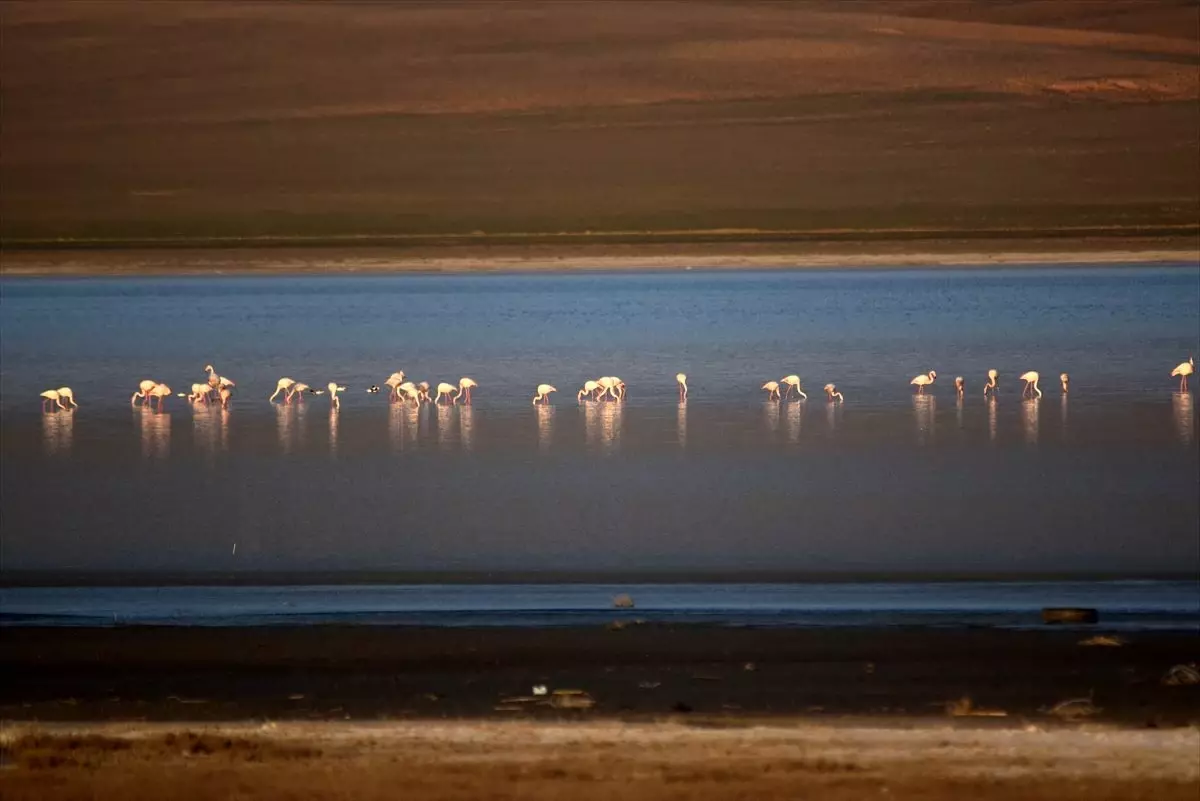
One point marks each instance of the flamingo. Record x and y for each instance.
(960, 385)
(410, 392)
(393, 381)
(65, 393)
(589, 388)
(792, 382)
(831, 392)
(143, 391)
(543, 393)
(992, 381)
(447, 391)
(772, 388)
(465, 385)
(199, 391)
(1065, 379)
(216, 381)
(160, 391)
(922, 381)
(608, 386)
(1183, 370)
(299, 388)
(423, 390)
(681, 379)
(51, 396)
(225, 393)
(334, 389)
(283, 385)
(1031, 382)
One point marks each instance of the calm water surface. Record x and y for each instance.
(1103, 480)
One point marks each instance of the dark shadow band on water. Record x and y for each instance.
(82, 578)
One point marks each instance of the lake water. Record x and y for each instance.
(1104, 479)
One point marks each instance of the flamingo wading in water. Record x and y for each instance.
(1065, 380)
(772, 388)
(67, 394)
(143, 391)
(792, 382)
(960, 385)
(50, 396)
(283, 385)
(334, 389)
(160, 391)
(465, 385)
(1183, 370)
(681, 379)
(543, 393)
(993, 380)
(831, 392)
(922, 381)
(1031, 383)
(447, 391)
(589, 388)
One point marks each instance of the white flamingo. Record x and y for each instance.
(1183, 370)
(297, 389)
(410, 392)
(543, 393)
(611, 385)
(831, 392)
(681, 379)
(334, 389)
(1064, 379)
(772, 388)
(792, 382)
(216, 381)
(960, 385)
(160, 391)
(465, 385)
(143, 391)
(423, 390)
(199, 392)
(447, 391)
(224, 394)
(922, 381)
(67, 394)
(394, 380)
(589, 388)
(992, 382)
(51, 397)
(1031, 383)
(283, 385)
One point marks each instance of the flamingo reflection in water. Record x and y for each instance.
(58, 432)
(155, 433)
(681, 423)
(1030, 410)
(1184, 416)
(924, 414)
(545, 425)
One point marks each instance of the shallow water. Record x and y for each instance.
(1104, 479)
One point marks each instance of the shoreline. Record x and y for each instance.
(521, 256)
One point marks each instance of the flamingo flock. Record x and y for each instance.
(219, 389)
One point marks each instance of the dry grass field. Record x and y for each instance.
(183, 121)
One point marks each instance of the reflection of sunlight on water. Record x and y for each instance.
(208, 427)
(681, 424)
(958, 411)
(610, 426)
(545, 423)
(1029, 419)
(771, 413)
(466, 426)
(156, 432)
(1063, 410)
(795, 416)
(833, 416)
(1185, 419)
(285, 425)
(447, 433)
(924, 410)
(591, 422)
(58, 430)
(333, 430)
(398, 416)
(991, 404)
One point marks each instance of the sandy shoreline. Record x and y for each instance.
(594, 760)
(598, 258)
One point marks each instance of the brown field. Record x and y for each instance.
(190, 123)
(600, 761)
